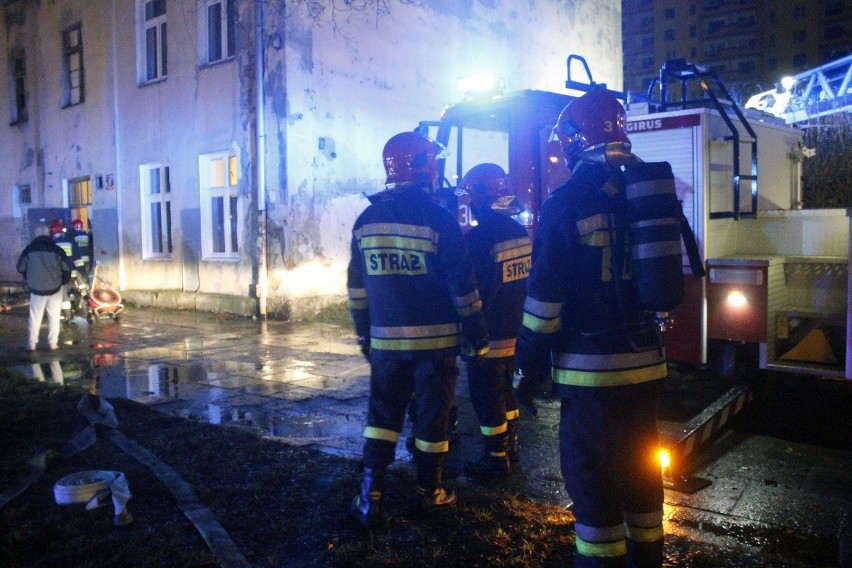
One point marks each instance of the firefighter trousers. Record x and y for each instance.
(492, 397)
(392, 382)
(609, 447)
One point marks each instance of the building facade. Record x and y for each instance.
(221, 149)
(749, 44)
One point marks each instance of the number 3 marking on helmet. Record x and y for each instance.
(607, 126)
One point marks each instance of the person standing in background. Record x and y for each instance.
(46, 269)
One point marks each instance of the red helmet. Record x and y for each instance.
(56, 227)
(488, 186)
(595, 118)
(411, 157)
(77, 224)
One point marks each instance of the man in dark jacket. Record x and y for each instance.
(46, 268)
(415, 305)
(500, 249)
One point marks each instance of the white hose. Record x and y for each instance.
(94, 488)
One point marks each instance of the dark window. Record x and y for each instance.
(19, 93)
(221, 16)
(800, 60)
(670, 13)
(669, 35)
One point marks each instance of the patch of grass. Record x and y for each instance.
(336, 313)
(281, 505)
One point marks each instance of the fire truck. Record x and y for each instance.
(776, 287)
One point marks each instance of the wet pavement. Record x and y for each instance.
(307, 384)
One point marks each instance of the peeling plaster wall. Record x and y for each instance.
(338, 85)
(55, 144)
(340, 88)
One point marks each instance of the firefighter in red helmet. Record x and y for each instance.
(415, 306)
(582, 318)
(80, 249)
(500, 249)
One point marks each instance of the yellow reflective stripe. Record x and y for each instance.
(594, 223)
(432, 447)
(596, 239)
(542, 325)
(414, 331)
(607, 362)
(608, 378)
(375, 433)
(515, 252)
(395, 242)
(357, 304)
(501, 348)
(417, 231)
(601, 549)
(470, 310)
(488, 431)
(357, 293)
(542, 309)
(414, 344)
(640, 534)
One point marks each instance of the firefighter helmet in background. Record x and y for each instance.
(77, 225)
(56, 227)
(412, 158)
(594, 118)
(488, 186)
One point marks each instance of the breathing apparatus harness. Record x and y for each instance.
(656, 227)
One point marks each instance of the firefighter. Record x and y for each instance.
(607, 362)
(80, 248)
(63, 240)
(415, 305)
(500, 249)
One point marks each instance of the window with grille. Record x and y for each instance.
(80, 192)
(72, 63)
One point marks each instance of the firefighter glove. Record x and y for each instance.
(472, 352)
(526, 388)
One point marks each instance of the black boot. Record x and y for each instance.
(512, 442)
(494, 464)
(366, 505)
(430, 494)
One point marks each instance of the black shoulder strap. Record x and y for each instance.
(691, 248)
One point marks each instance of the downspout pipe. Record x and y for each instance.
(262, 286)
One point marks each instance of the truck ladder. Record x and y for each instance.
(684, 72)
(824, 90)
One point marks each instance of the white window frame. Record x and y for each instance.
(221, 226)
(153, 176)
(207, 30)
(156, 25)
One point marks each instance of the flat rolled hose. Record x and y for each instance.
(82, 486)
